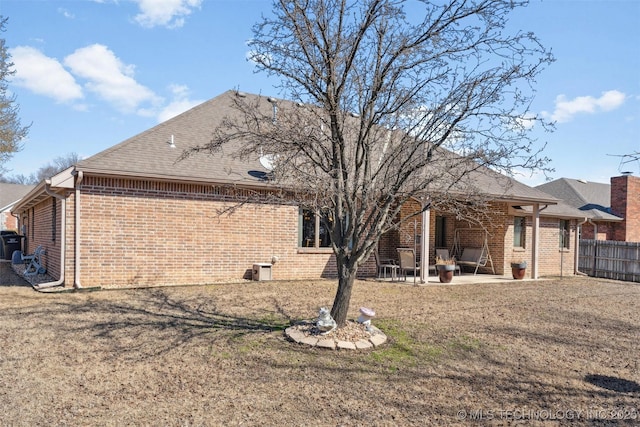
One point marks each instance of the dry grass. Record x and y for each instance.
(515, 353)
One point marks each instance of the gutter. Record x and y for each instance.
(63, 236)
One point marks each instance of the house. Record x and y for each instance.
(611, 211)
(10, 194)
(136, 214)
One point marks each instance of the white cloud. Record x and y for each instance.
(165, 13)
(43, 75)
(108, 77)
(567, 109)
(179, 104)
(527, 120)
(64, 12)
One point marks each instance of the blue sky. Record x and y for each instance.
(93, 73)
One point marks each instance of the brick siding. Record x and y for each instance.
(625, 202)
(142, 233)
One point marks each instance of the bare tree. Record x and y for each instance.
(47, 171)
(11, 130)
(387, 108)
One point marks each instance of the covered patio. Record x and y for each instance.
(463, 279)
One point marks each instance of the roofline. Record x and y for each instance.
(169, 178)
(33, 195)
(4, 208)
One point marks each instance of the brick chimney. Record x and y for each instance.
(625, 202)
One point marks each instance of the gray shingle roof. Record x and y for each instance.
(11, 193)
(149, 155)
(593, 199)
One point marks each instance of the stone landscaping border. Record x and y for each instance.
(376, 339)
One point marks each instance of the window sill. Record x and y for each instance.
(315, 250)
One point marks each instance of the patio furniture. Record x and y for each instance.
(386, 265)
(34, 264)
(474, 258)
(407, 262)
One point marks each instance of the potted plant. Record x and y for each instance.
(445, 268)
(518, 269)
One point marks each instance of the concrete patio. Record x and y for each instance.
(463, 279)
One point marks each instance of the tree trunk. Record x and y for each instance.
(346, 279)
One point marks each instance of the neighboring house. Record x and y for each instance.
(10, 194)
(133, 215)
(611, 211)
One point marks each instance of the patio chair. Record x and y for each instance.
(34, 264)
(407, 262)
(443, 253)
(386, 265)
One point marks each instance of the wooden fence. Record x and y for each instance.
(610, 259)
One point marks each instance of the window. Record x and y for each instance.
(564, 234)
(519, 231)
(312, 230)
(441, 235)
(54, 219)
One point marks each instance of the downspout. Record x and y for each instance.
(76, 281)
(576, 255)
(63, 236)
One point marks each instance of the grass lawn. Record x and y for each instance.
(520, 353)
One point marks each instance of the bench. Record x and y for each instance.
(473, 257)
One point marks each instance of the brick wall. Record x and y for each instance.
(8, 221)
(44, 228)
(606, 231)
(138, 233)
(153, 233)
(625, 202)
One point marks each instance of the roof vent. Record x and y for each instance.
(241, 94)
(274, 103)
(584, 181)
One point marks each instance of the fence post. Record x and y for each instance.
(595, 257)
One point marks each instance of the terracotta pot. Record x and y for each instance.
(445, 272)
(518, 271)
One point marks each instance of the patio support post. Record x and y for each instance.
(536, 239)
(424, 246)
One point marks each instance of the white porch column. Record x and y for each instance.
(424, 246)
(535, 244)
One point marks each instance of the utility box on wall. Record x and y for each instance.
(261, 271)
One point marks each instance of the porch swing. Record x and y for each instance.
(473, 257)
